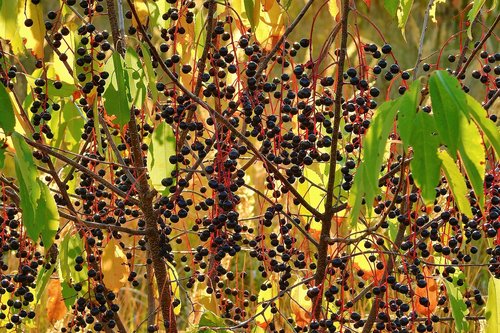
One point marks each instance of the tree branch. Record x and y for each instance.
(329, 208)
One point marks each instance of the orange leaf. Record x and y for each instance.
(267, 4)
(56, 309)
(430, 291)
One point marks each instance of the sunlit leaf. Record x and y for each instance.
(174, 278)
(301, 305)
(161, 148)
(34, 36)
(114, 265)
(493, 306)
(8, 119)
(252, 11)
(264, 296)
(334, 8)
(432, 12)
(456, 182)
(66, 90)
(9, 24)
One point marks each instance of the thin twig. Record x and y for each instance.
(269, 165)
(263, 63)
(422, 38)
(478, 47)
(48, 150)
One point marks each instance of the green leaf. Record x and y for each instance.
(252, 10)
(480, 116)
(408, 112)
(40, 214)
(458, 306)
(161, 148)
(476, 8)
(391, 6)
(29, 189)
(42, 279)
(366, 179)
(456, 182)
(425, 164)
(210, 319)
(472, 154)
(66, 90)
(493, 307)
(116, 100)
(47, 215)
(8, 119)
(136, 78)
(403, 13)
(9, 25)
(448, 103)
(71, 247)
(2, 157)
(146, 57)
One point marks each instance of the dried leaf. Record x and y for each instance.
(56, 309)
(114, 266)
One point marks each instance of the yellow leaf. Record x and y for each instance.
(266, 314)
(56, 309)
(432, 12)
(334, 8)
(301, 305)
(9, 26)
(141, 7)
(270, 25)
(34, 35)
(114, 266)
(174, 283)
